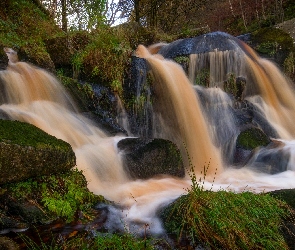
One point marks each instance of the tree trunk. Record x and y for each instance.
(136, 7)
(64, 19)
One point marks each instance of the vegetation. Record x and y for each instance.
(226, 220)
(103, 242)
(92, 50)
(62, 195)
(269, 41)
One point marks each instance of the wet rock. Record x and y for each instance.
(10, 224)
(27, 151)
(288, 225)
(97, 103)
(249, 138)
(29, 210)
(272, 159)
(200, 44)
(145, 158)
(8, 244)
(3, 61)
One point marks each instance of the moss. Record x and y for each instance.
(20, 133)
(271, 40)
(145, 158)
(226, 220)
(62, 195)
(286, 195)
(25, 27)
(27, 151)
(252, 138)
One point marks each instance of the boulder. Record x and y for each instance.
(145, 158)
(27, 151)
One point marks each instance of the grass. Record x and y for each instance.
(227, 220)
(106, 241)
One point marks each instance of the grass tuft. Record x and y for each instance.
(227, 220)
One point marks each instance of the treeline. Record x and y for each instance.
(171, 16)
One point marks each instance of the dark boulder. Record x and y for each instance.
(145, 158)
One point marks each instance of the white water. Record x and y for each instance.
(34, 96)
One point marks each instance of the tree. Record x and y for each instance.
(77, 14)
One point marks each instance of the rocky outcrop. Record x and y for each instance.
(145, 158)
(27, 152)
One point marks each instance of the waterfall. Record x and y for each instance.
(201, 121)
(181, 107)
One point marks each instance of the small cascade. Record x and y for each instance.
(122, 116)
(278, 95)
(218, 108)
(217, 66)
(179, 106)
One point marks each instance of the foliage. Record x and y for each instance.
(289, 65)
(107, 241)
(270, 41)
(112, 241)
(230, 84)
(105, 57)
(24, 26)
(61, 195)
(203, 78)
(227, 220)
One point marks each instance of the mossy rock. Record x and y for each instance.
(273, 43)
(252, 138)
(286, 195)
(145, 158)
(27, 151)
(43, 199)
(288, 226)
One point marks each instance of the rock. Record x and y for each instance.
(97, 103)
(288, 225)
(249, 138)
(272, 159)
(29, 210)
(145, 158)
(27, 151)
(8, 244)
(10, 224)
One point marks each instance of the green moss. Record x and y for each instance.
(270, 40)
(286, 195)
(252, 138)
(203, 78)
(25, 27)
(62, 195)
(20, 133)
(227, 220)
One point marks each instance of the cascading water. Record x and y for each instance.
(32, 95)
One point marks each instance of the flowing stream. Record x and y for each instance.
(32, 95)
